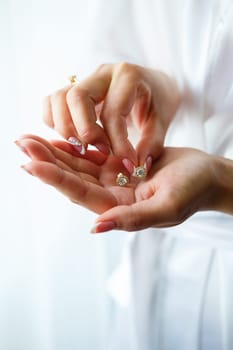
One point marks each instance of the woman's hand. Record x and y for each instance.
(117, 96)
(181, 182)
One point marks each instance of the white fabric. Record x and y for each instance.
(52, 270)
(173, 288)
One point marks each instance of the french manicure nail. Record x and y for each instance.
(79, 146)
(21, 147)
(102, 147)
(74, 141)
(25, 168)
(103, 226)
(128, 165)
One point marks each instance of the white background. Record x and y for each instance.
(52, 271)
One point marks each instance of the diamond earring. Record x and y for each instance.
(122, 180)
(140, 172)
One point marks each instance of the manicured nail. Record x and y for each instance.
(129, 166)
(102, 147)
(103, 226)
(148, 163)
(25, 168)
(21, 147)
(79, 146)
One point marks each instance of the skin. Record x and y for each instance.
(99, 111)
(181, 182)
(119, 96)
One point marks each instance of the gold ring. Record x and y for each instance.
(73, 79)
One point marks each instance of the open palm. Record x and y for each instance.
(88, 180)
(180, 183)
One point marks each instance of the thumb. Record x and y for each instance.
(135, 217)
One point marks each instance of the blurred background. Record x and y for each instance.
(52, 271)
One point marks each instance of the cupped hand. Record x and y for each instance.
(88, 180)
(100, 109)
(180, 183)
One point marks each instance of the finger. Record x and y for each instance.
(39, 151)
(85, 176)
(36, 150)
(164, 104)
(47, 112)
(117, 106)
(95, 157)
(84, 193)
(62, 119)
(151, 141)
(82, 99)
(141, 215)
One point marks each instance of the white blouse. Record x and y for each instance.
(173, 288)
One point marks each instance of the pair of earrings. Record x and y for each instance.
(139, 172)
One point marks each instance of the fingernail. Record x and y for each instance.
(21, 147)
(148, 163)
(103, 226)
(102, 147)
(79, 146)
(128, 165)
(25, 168)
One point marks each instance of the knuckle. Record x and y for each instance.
(129, 69)
(89, 134)
(124, 67)
(76, 94)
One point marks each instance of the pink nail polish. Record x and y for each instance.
(25, 168)
(23, 149)
(103, 226)
(148, 163)
(128, 165)
(102, 147)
